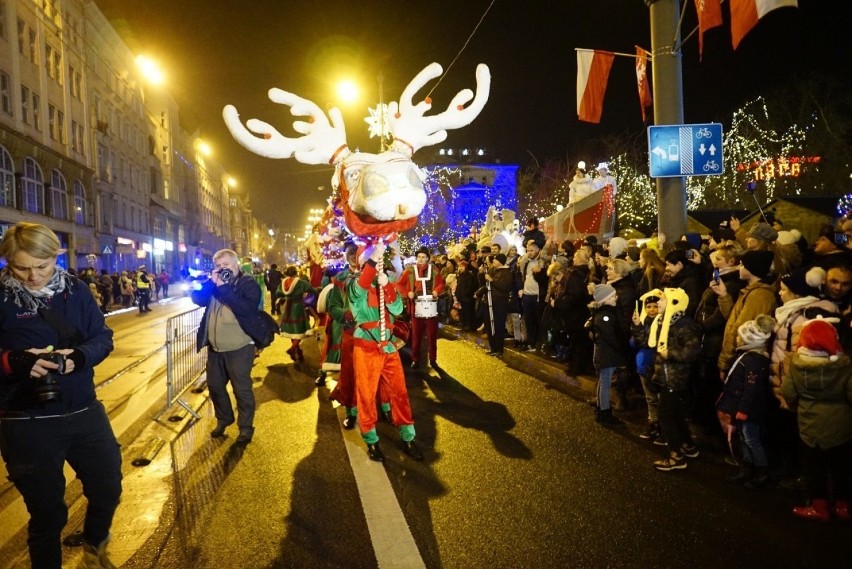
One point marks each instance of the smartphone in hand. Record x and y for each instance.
(716, 275)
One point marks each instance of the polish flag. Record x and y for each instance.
(746, 13)
(592, 74)
(709, 16)
(642, 59)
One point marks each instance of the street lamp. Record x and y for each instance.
(73, 245)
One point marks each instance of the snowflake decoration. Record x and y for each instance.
(378, 121)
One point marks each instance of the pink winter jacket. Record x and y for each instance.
(790, 317)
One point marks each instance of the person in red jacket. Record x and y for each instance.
(421, 284)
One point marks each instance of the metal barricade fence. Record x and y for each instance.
(183, 364)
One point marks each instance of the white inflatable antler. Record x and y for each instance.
(408, 123)
(322, 143)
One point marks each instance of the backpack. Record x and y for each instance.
(265, 330)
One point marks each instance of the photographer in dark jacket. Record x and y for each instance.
(229, 324)
(53, 335)
(498, 291)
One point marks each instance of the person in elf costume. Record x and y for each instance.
(294, 317)
(375, 302)
(422, 280)
(337, 307)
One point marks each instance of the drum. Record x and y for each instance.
(425, 307)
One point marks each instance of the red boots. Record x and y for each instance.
(818, 511)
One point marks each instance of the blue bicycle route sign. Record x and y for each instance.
(685, 150)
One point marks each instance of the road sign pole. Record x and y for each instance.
(668, 108)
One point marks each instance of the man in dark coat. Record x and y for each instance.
(498, 290)
(273, 282)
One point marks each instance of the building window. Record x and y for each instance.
(58, 196)
(25, 104)
(76, 83)
(7, 179)
(53, 62)
(33, 46)
(79, 203)
(77, 137)
(32, 190)
(5, 92)
(36, 111)
(51, 121)
(3, 19)
(22, 34)
(60, 125)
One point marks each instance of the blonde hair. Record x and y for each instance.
(31, 238)
(620, 266)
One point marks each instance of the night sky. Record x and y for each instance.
(217, 52)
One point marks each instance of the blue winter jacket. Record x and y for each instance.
(20, 330)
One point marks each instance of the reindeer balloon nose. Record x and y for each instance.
(380, 193)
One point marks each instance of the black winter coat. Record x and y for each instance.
(689, 280)
(573, 305)
(625, 303)
(22, 330)
(684, 347)
(747, 386)
(710, 318)
(611, 345)
(242, 296)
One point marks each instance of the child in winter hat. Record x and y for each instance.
(755, 334)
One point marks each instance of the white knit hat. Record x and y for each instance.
(758, 331)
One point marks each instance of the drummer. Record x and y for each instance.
(422, 284)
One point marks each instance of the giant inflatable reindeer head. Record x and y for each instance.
(379, 193)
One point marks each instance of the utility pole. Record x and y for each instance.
(668, 107)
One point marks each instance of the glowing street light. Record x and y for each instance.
(347, 90)
(232, 183)
(203, 147)
(150, 70)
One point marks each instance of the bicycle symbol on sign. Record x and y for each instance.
(711, 165)
(703, 132)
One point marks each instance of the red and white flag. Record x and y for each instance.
(592, 74)
(709, 16)
(746, 13)
(642, 59)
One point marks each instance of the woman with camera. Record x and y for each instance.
(52, 335)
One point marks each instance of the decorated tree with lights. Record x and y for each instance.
(542, 189)
(433, 228)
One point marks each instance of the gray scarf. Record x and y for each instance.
(32, 300)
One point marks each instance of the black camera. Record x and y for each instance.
(47, 387)
(225, 275)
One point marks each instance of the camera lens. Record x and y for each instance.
(47, 388)
(225, 275)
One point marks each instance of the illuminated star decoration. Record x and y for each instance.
(379, 125)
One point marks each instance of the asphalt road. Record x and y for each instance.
(516, 475)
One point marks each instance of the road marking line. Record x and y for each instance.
(393, 543)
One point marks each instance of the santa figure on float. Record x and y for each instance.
(380, 195)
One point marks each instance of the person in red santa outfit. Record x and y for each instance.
(422, 284)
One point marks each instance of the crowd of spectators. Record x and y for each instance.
(742, 336)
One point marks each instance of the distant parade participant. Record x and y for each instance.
(375, 356)
(341, 327)
(294, 316)
(333, 307)
(422, 284)
(143, 289)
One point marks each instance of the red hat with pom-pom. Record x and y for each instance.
(819, 338)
